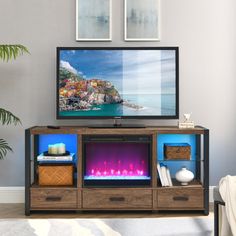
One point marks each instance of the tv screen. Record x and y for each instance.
(117, 83)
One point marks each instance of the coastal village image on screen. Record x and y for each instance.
(117, 83)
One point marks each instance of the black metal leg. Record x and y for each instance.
(206, 171)
(216, 218)
(206, 212)
(27, 172)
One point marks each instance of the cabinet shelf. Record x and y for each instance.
(193, 184)
(180, 160)
(36, 185)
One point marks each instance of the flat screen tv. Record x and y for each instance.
(121, 82)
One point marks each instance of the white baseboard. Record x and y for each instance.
(17, 194)
(12, 194)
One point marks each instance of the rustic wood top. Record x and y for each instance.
(88, 130)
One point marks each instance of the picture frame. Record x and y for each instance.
(93, 23)
(142, 20)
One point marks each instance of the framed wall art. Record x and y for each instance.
(93, 20)
(142, 20)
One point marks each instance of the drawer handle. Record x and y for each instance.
(53, 199)
(116, 199)
(181, 198)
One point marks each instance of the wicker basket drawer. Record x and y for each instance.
(53, 198)
(180, 198)
(177, 151)
(55, 175)
(117, 199)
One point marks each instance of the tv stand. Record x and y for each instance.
(125, 194)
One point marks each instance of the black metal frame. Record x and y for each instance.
(116, 138)
(206, 171)
(176, 116)
(27, 171)
(28, 166)
(216, 216)
(198, 157)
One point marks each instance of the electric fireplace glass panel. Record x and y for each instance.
(117, 161)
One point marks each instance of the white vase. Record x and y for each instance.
(184, 176)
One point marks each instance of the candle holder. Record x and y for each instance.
(57, 149)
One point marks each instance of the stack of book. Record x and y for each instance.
(186, 125)
(164, 175)
(54, 158)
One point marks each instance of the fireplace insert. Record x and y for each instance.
(118, 160)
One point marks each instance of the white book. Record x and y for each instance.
(160, 175)
(169, 177)
(164, 176)
(41, 157)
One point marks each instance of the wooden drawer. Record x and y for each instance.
(117, 199)
(180, 198)
(46, 198)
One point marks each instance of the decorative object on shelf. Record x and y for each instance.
(55, 175)
(47, 158)
(93, 20)
(169, 177)
(142, 20)
(164, 175)
(57, 148)
(177, 151)
(8, 52)
(187, 117)
(184, 176)
(187, 123)
(160, 175)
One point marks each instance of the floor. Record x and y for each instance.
(17, 211)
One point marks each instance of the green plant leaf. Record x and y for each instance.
(6, 118)
(8, 52)
(4, 148)
(12, 51)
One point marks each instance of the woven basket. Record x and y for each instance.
(177, 151)
(55, 175)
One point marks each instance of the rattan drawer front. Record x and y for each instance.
(177, 151)
(182, 198)
(53, 198)
(117, 199)
(55, 175)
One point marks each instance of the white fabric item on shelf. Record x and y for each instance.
(227, 188)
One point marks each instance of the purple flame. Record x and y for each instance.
(117, 159)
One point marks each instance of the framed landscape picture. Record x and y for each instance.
(93, 20)
(142, 20)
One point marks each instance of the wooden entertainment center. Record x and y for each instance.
(150, 196)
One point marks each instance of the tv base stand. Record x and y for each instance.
(117, 126)
(117, 123)
(149, 196)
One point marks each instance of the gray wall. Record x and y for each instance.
(203, 29)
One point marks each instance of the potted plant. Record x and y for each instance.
(8, 52)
